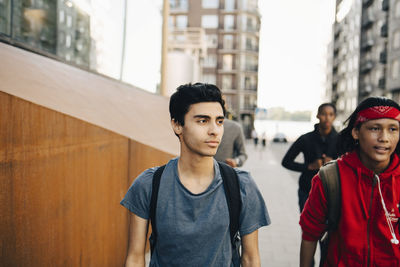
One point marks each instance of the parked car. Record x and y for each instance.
(279, 138)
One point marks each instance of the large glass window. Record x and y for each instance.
(87, 33)
(209, 21)
(5, 16)
(210, 3)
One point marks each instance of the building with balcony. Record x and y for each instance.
(232, 38)
(366, 52)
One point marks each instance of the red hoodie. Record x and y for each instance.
(363, 235)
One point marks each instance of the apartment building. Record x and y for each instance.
(365, 53)
(232, 37)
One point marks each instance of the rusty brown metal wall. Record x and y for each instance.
(61, 180)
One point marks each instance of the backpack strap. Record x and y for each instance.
(153, 204)
(330, 177)
(232, 193)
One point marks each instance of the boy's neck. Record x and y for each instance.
(324, 131)
(196, 166)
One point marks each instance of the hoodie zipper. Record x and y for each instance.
(369, 220)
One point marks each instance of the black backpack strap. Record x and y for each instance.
(330, 177)
(153, 204)
(232, 192)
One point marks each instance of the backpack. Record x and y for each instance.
(232, 194)
(330, 177)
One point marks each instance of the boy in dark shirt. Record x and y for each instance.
(318, 147)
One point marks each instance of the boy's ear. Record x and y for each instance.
(176, 126)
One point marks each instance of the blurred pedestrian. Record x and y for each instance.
(367, 232)
(254, 135)
(264, 139)
(318, 147)
(231, 150)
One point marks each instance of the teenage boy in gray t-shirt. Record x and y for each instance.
(192, 212)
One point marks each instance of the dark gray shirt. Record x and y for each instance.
(193, 229)
(232, 143)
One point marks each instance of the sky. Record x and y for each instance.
(293, 41)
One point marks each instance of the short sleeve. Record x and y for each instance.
(137, 199)
(254, 213)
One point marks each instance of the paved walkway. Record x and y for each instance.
(280, 241)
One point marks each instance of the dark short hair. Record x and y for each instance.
(346, 142)
(322, 106)
(189, 94)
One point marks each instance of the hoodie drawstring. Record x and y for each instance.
(389, 223)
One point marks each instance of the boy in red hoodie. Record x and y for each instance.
(368, 230)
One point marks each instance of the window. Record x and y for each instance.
(179, 4)
(396, 39)
(229, 5)
(210, 78)
(228, 42)
(227, 82)
(397, 9)
(395, 69)
(210, 61)
(227, 61)
(212, 40)
(181, 22)
(209, 21)
(210, 3)
(229, 22)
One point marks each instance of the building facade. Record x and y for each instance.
(365, 53)
(232, 36)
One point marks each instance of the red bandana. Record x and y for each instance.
(377, 112)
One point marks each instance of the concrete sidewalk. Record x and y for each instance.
(280, 241)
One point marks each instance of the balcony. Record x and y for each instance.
(384, 30)
(367, 66)
(189, 38)
(385, 5)
(383, 57)
(251, 68)
(251, 48)
(382, 83)
(367, 21)
(367, 44)
(367, 3)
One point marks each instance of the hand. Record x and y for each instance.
(231, 162)
(315, 165)
(326, 159)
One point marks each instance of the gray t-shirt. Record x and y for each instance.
(193, 229)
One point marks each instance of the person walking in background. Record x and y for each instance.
(367, 232)
(191, 223)
(264, 139)
(231, 150)
(254, 136)
(318, 147)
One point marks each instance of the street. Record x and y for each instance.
(279, 242)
